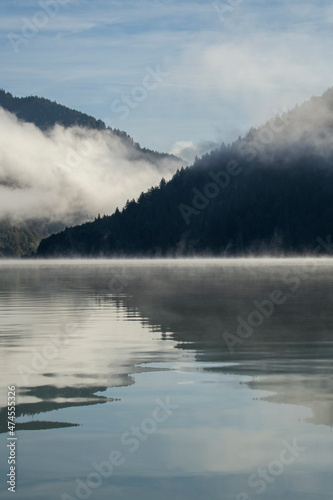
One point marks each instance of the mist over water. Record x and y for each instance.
(98, 343)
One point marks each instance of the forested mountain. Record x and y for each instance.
(45, 114)
(270, 192)
(22, 239)
(81, 148)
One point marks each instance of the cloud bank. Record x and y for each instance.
(70, 174)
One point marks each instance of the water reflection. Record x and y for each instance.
(198, 304)
(91, 345)
(48, 398)
(192, 303)
(55, 328)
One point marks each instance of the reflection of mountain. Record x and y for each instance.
(51, 367)
(199, 302)
(289, 354)
(37, 425)
(49, 398)
(191, 304)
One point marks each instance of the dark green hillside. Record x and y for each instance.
(271, 192)
(45, 113)
(22, 239)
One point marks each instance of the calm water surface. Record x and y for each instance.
(198, 379)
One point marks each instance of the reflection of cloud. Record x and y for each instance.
(300, 386)
(243, 450)
(67, 369)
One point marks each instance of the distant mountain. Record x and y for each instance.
(270, 192)
(22, 238)
(45, 114)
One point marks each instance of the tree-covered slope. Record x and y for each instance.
(20, 233)
(22, 239)
(45, 114)
(271, 192)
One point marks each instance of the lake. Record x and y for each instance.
(183, 379)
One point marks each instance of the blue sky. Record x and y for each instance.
(172, 74)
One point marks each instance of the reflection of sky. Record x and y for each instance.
(232, 417)
(220, 434)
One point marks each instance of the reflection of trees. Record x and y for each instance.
(289, 355)
(48, 395)
(61, 291)
(194, 305)
(198, 304)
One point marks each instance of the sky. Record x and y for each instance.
(178, 76)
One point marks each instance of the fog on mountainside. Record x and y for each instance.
(271, 192)
(65, 173)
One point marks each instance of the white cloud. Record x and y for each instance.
(69, 171)
(230, 74)
(245, 81)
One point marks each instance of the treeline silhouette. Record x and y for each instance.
(268, 193)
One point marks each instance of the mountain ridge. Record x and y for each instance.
(45, 114)
(268, 193)
(20, 237)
